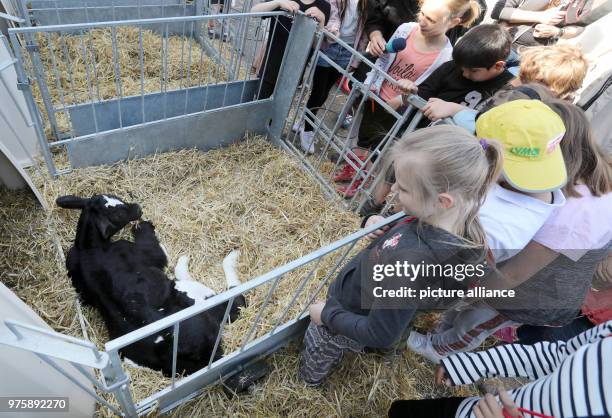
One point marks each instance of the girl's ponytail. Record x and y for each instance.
(495, 156)
(467, 11)
(471, 14)
(493, 152)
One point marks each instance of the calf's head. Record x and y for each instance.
(105, 213)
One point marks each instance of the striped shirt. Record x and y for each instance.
(571, 379)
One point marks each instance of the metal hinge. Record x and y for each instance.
(23, 86)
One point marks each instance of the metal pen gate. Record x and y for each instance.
(104, 128)
(97, 84)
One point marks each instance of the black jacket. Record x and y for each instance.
(387, 15)
(352, 311)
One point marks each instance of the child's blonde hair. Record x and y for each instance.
(561, 68)
(466, 10)
(454, 162)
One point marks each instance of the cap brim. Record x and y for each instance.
(543, 176)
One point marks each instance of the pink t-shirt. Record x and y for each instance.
(409, 64)
(583, 224)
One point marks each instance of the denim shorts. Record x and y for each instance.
(336, 53)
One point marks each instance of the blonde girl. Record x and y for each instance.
(443, 174)
(427, 47)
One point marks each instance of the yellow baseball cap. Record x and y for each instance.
(530, 133)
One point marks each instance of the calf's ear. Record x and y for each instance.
(71, 202)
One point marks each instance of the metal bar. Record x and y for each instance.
(297, 293)
(68, 64)
(170, 320)
(329, 275)
(11, 18)
(23, 79)
(276, 23)
(13, 326)
(135, 22)
(188, 84)
(175, 341)
(220, 333)
(117, 71)
(93, 64)
(88, 79)
(87, 390)
(261, 311)
(40, 75)
(141, 61)
(119, 381)
(165, 69)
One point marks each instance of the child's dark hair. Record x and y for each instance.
(482, 46)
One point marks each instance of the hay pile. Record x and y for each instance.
(251, 197)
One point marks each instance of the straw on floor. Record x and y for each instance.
(250, 197)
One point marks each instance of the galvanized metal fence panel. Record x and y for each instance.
(60, 12)
(335, 144)
(109, 79)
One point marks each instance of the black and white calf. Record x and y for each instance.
(125, 281)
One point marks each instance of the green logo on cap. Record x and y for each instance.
(525, 151)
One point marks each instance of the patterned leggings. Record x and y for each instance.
(322, 352)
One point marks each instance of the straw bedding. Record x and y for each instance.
(81, 68)
(250, 197)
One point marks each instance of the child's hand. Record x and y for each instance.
(488, 407)
(288, 5)
(436, 109)
(395, 102)
(545, 31)
(379, 232)
(315, 312)
(442, 377)
(377, 45)
(317, 14)
(407, 86)
(552, 16)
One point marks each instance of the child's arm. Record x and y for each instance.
(512, 360)
(334, 22)
(407, 87)
(433, 85)
(466, 118)
(436, 109)
(542, 30)
(380, 329)
(269, 6)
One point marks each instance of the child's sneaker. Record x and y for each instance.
(344, 85)
(346, 123)
(348, 172)
(348, 191)
(421, 344)
(307, 141)
(507, 334)
(297, 126)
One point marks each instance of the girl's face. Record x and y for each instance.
(410, 200)
(434, 19)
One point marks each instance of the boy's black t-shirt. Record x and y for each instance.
(447, 83)
(279, 35)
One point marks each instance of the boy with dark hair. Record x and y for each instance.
(477, 71)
